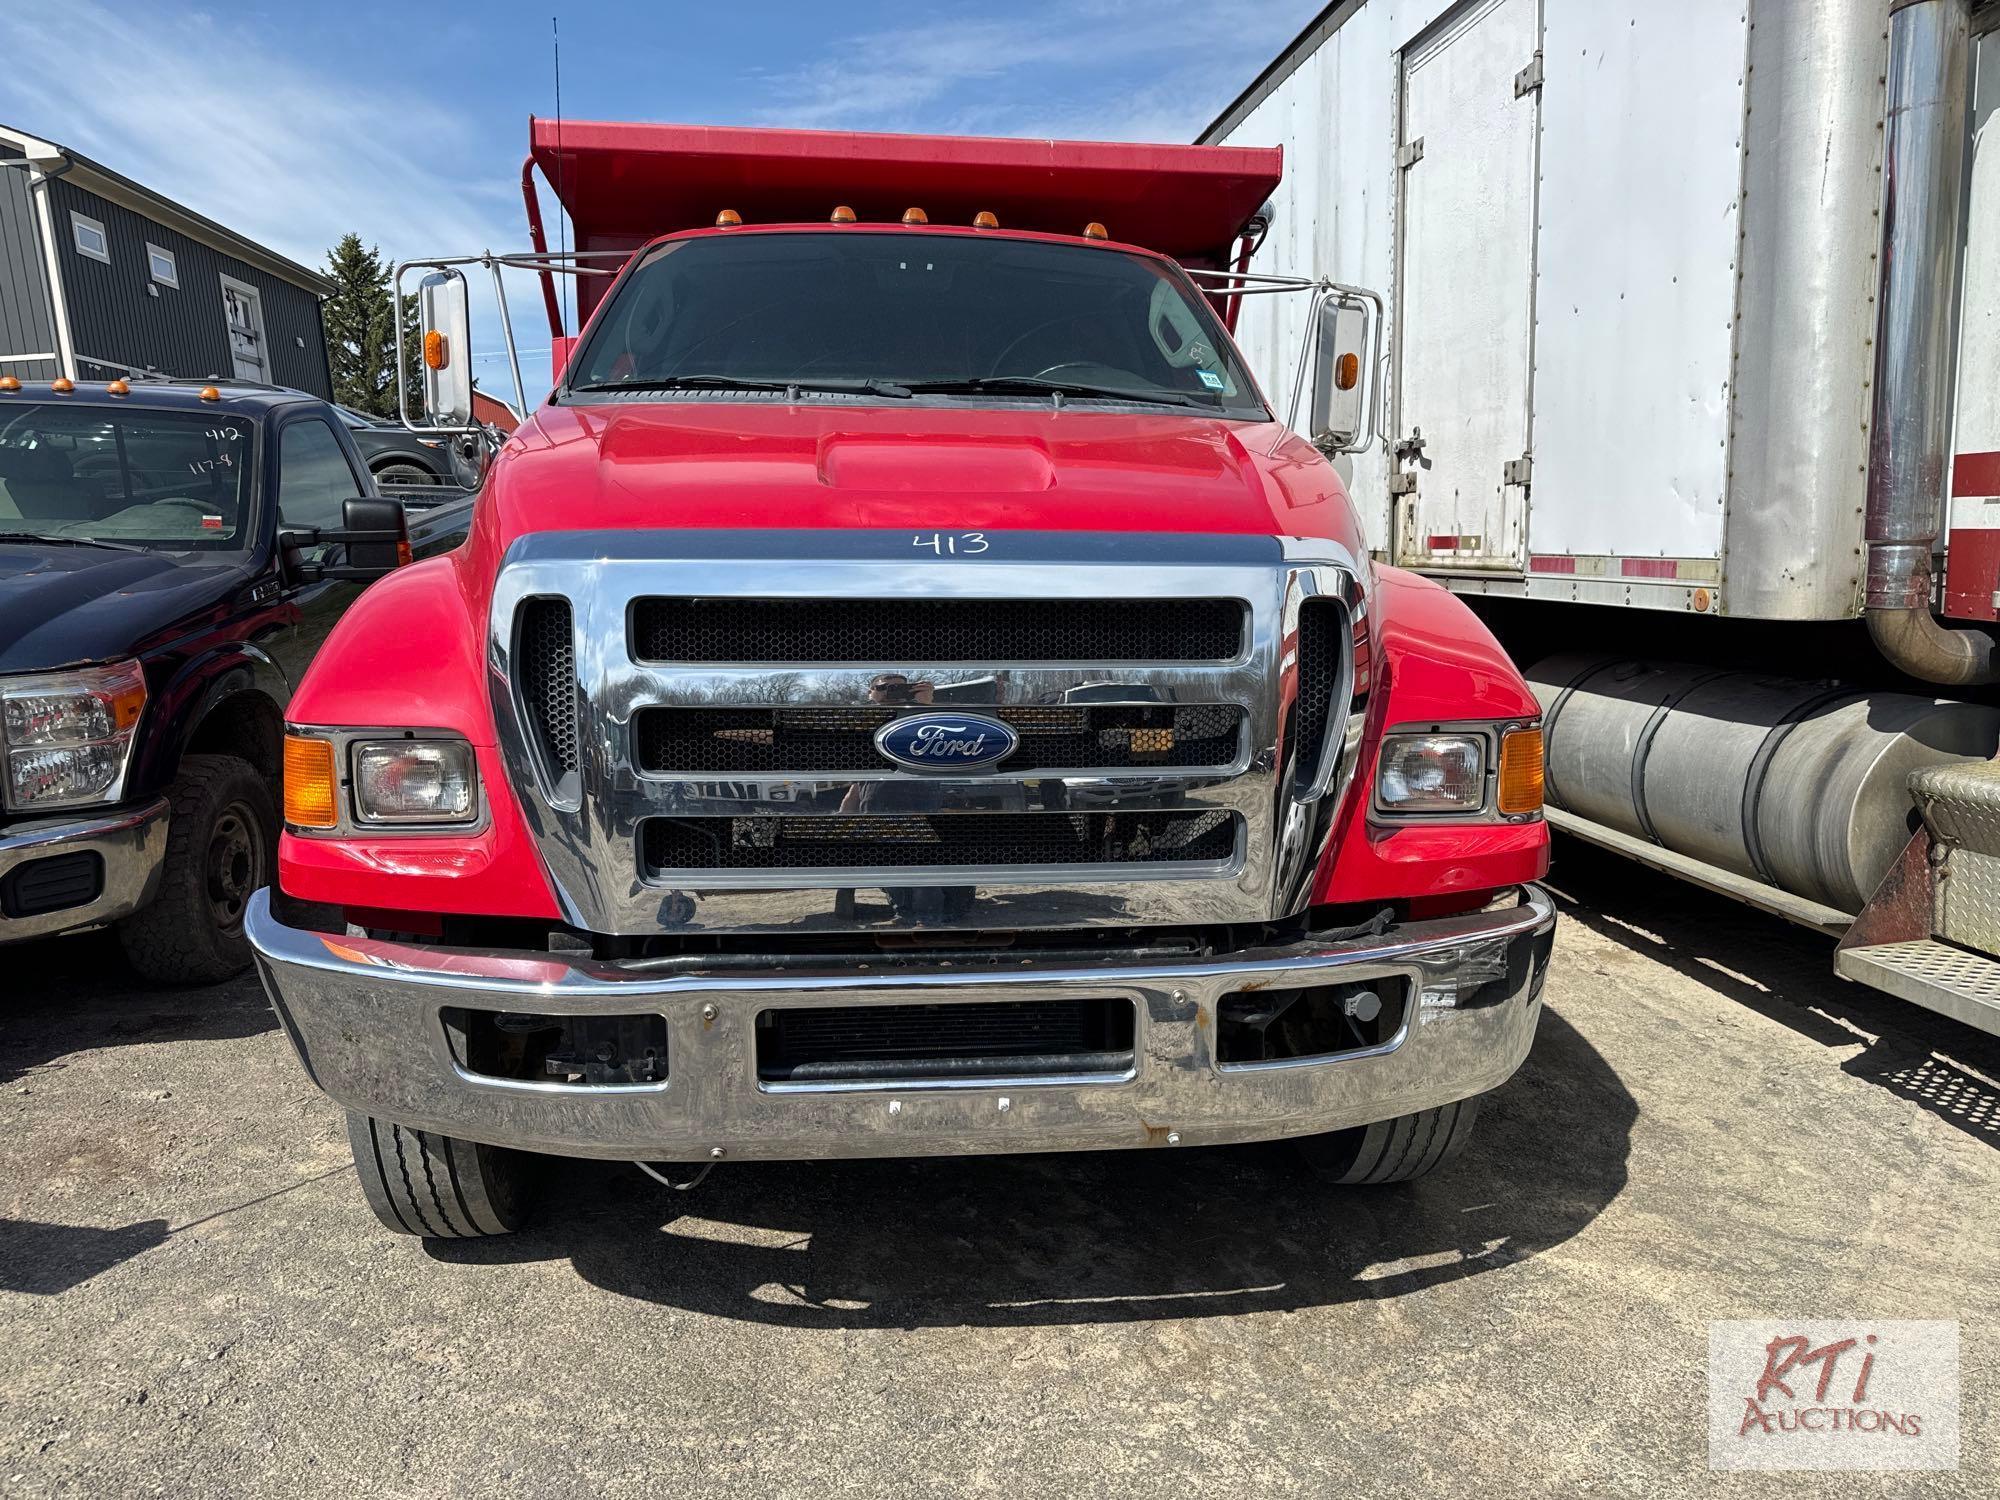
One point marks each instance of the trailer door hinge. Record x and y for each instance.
(1409, 155)
(1403, 484)
(1529, 78)
(1518, 471)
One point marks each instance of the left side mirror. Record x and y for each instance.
(1341, 370)
(375, 532)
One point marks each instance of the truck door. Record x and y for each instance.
(1465, 293)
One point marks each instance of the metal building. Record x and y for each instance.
(100, 276)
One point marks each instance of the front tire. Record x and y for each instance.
(222, 844)
(436, 1186)
(1398, 1150)
(405, 472)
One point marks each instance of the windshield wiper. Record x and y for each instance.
(732, 383)
(34, 537)
(1034, 385)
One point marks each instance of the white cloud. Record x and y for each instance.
(205, 114)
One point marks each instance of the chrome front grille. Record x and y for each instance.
(720, 774)
(800, 741)
(987, 631)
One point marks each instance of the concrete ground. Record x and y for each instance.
(193, 1299)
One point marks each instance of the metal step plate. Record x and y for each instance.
(1937, 976)
(1961, 804)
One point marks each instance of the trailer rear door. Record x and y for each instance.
(1466, 290)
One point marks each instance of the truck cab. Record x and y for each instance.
(171, 555)
(906, 692)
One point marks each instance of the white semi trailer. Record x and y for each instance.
(1693, 383)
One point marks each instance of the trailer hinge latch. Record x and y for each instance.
(1518, 471)
(1403, 484)
(1409, 155)
(1529, 78)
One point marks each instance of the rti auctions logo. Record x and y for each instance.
(1833, 1395)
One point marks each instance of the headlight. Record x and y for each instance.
(68, 735)
(415, 781)
(1432, 773)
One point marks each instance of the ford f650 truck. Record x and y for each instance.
(906, 692)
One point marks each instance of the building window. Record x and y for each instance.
(90, 237)
(161, 264)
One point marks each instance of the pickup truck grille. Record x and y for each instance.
(893, 631)
(795, 741)
(689, 721)
(944, 842)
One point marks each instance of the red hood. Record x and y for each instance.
(740, 464)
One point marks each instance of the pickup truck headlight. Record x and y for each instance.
(1432, 773)
(68, 735)
(415, 781)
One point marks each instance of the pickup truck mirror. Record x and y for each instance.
(444, 314)
(1341, 373)
(375, 532)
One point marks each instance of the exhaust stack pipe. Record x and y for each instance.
(1908, 458)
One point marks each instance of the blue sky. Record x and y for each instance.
(407, 123)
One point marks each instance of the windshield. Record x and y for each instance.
(174, 481)
(899, 315)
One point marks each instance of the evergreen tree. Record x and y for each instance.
(361, 332)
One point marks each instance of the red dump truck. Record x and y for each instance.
(906, 692)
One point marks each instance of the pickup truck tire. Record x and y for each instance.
(222, 844)
(436, 1186)
(1398, 1150)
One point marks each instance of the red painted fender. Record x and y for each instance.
(1434, 663)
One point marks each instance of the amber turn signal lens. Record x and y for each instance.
(1521, 772)
(311, 792)
(985, 219)
(843, 215)
(1347, 371)
(729, 218)
(437, 350)
(1095, 231)
(915, 216)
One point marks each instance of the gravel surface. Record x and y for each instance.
(194, 1301)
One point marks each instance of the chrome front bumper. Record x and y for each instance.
(365, 1017)
(131, 841)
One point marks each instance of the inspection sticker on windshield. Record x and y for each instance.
(211, 523)
(1210, 379)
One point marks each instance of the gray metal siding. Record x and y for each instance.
(182, 331)
(26, 324)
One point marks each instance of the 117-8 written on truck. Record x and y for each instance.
(906, 692)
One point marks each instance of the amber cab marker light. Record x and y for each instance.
(437, 350)
(985, 219)
(843, 215)
(210, 393)
(1347, 371)
(729, 218)
(310, 789)
(915, 216)
(1520, 772)
(118, 388)
(10, 383)
(62, 385)
(1095, 231)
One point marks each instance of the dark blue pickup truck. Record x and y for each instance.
(171, 555)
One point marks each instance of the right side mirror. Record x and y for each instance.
(444, 313)
(1342, 366)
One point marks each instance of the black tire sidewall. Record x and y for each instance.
(177, 939)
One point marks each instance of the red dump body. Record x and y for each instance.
(625, 184)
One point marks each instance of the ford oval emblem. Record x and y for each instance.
(946, 742)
